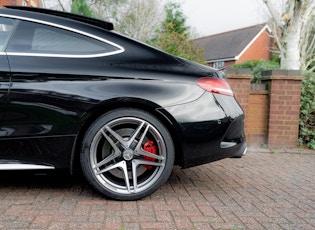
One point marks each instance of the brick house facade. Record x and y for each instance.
(233, 47)
(33, 3)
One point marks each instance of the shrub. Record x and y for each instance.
(257, 66)
(307, 111)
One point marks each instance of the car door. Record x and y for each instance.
(6, 29)
(4, 89)
(52, 70)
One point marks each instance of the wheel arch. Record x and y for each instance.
(125, 102)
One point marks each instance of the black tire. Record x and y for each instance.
(127, 154)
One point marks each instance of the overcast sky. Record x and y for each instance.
(208, 17)
(216, 16)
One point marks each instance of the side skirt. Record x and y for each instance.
(22, 166)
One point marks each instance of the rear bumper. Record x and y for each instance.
(206, 153)
(209, 129)
(240, 154)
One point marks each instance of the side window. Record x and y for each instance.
(42, 39)
(7, 26)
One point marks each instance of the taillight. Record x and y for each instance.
(215, 85)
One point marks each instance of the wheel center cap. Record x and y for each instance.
(128, 154)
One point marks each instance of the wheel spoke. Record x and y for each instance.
(148, 154)
(117, 136)
(105, 161)
(140, 151)
(122, 141)
(138, 147)
(135, 164)
(135, 134)
(123, 166)
(134, 175)
(110, 167)
(111, 142)
(153, 163)
(112, 156)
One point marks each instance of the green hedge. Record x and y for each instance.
(307, 112)
(256, 67)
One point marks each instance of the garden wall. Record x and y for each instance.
(272, 109)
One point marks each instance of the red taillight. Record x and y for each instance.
(215, 85)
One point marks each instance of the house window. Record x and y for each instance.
(218, 64)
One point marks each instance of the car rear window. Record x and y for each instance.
(6, 28)
(38, 38)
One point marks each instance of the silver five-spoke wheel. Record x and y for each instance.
(127, 154)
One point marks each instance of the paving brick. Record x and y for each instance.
(202, 226)
(266, 189)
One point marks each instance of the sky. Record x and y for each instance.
(209, 17)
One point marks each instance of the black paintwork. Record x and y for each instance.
(47, 103)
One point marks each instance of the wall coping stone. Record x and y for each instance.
(282, 77)
(281, 72)
(239, 71)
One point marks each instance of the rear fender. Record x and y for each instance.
(89, 117)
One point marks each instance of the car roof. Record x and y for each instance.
(92, 21)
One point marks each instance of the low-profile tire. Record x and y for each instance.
(127, 154)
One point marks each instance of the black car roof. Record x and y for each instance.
(88, 20)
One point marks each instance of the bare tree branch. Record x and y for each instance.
(61, 5)
(138, 19)
(293, 29)
(275, 15)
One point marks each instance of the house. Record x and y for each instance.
(32, 3)
(226, 49)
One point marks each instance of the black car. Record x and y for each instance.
(77, 95)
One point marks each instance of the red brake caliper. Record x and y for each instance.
(151, 148)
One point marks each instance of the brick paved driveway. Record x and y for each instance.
(263, 190)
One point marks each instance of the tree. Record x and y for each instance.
(58, 5)
(175, 20)
(174, 37)
(138, 19)
(293, 29)
(81, 7)
(107, 9)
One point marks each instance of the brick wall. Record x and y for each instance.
(284, 107)
(257, 118)
(271, 116)
(8, 2)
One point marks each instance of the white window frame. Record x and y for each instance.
(218, 64)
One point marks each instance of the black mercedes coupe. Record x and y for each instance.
(77, 95)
